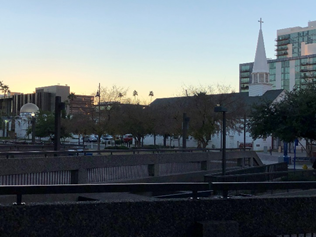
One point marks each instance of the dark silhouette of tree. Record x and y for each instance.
(288, 119)
(151, 94)
(71, 98)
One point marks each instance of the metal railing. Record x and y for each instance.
(253, 186)
(81, 152)
(36, 146)
(20, 190)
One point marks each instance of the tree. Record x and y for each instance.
(166, 117)
(71, 98)
(109, 100)
(5, 89)
(80, 124)
(204, 122)
(291, 118)
(113, 94)
(151, 94)
(134, 120)
(45, 124)
(135, 94)
(202, 119)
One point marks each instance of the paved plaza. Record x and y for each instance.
(268, 158)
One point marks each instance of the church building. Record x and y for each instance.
(259, 88)
(295, 63)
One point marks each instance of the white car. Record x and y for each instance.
(105, 138)
(92, 138)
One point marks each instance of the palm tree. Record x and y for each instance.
(135, 93)
(151, 94)
(120, 95)
(71, 97)
(4, 89)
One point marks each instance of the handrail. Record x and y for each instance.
(226, 186)
(258, 174)
(20, 190)
(7, 154)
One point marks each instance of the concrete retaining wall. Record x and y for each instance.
(80, 166)
(249, 217)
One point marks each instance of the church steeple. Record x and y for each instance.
(260, 72)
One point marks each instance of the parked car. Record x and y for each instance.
(93, 138)
(90, 138)
(85, 138)
(128, 138)
(105, 138)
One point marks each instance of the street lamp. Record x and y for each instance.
(99, 121)
(6, 128)
(99, 95)
(185, 125)
(33, 121)
(59, 106)
(221, 109)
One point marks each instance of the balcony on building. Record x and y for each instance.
(282, 43)
(281, 53)
(282, 38)
(282, 48)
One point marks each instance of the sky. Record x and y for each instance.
(162, 46)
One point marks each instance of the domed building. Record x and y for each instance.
(28, 109)
(23, 122)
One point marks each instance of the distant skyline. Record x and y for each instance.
(160, 46)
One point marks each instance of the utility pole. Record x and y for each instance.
(185, 124)
(221, 109)
(99, 120)
(59, 106)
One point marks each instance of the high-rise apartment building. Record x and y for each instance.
(295, 63)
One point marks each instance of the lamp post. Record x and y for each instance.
(59, 106)
(221, 109)
(99, 120)
(33, 121)
(185, 124)
(6, 128)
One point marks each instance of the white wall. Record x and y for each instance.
(308, 49)
(292, 74)
(278, 75)
(233, 140)
(21, 125)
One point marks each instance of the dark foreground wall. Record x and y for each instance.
(254, 217)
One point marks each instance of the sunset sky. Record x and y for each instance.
(145, 45)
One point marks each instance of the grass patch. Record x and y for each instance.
(117, 147)
(153, 147)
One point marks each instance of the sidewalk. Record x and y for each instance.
(267, 159)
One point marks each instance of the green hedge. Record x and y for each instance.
(116, 147)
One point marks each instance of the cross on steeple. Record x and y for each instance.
(260, 23)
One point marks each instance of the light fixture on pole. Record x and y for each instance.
(33, 121)
(99, 117)
(185, 125)
(99, 95)
(6, 128)
(59, 106)
(221, 109)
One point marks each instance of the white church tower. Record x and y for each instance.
(260, 72)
